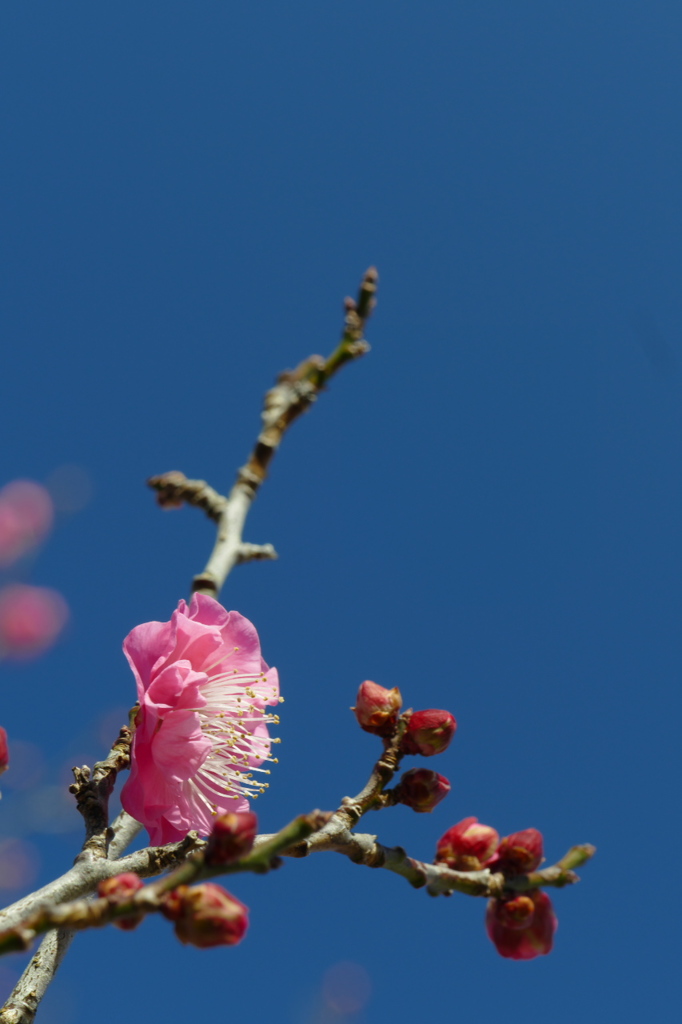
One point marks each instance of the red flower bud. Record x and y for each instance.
(421, 789)
(377, 708)
(520, 852)
(232, 837)
(206, 915)
(4, 751)
(522, 928)
(429, 732)
(467, 846)
(121, 889)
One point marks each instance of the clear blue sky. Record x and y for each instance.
(485, 512)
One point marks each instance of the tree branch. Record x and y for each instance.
(23, 1002)
(84, 913)
(293, 394)
(93, 789)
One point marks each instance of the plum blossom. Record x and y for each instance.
(201, 729)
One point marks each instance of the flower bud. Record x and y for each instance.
(232, 837)
(421, 789)
(516, 913)
(167, 496)
(429, 732)
(206, 915)
(4, 751)
(121, 889)
(467, 846)
(377, 708)
(522, 928)
(520, 852)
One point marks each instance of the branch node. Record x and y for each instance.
(255, 552)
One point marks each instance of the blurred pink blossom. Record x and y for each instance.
(201, 728)
(31, 619)
(19, 863)
(4, 751)
(26, 515)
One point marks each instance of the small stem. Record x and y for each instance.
(577, 856)
(293, 394)
(93, 789)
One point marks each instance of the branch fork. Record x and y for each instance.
(60, 907)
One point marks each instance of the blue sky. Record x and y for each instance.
(484, 512)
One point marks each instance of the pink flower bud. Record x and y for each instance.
(232, 837)
(520, 852)
(467, 846)
(206, 915)
(516, 913)
(523, 927)
(429, 732)
(31, 619)
(421, 789)
(121, 889)
(4, 751)
(26, 515)
(377, 708)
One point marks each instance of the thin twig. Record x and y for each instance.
(89, 913)
(92, 790)
(23, 1002)
(293, 395)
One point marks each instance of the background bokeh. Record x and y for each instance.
(485, 511)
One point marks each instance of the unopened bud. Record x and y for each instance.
(421, 789)
(429, 732)
(170, 494)
(232, 837)
(377, 708)
(467, 846)
(520, 852)
(522, 928)
(516, 913)
(121, 889)
(206, 915)
(4, 751)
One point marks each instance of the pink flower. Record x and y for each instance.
(201, 728)
(31, 619)
(26, 515)
(522, 928)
